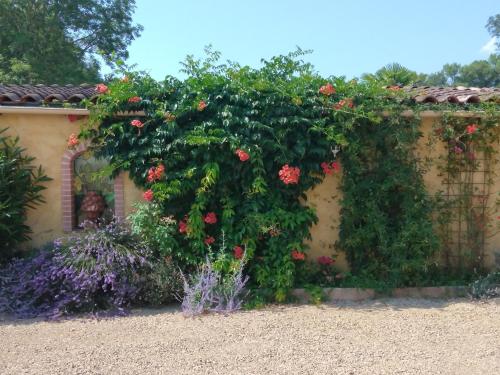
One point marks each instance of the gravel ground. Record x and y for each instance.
(390, 336)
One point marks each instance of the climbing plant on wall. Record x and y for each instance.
(468, 208)
(234, 149)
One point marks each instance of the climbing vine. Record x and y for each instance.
(234, 150)
(467, 215)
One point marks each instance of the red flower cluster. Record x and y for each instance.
(471, 129)
(242, 155)
(182, 227)
(210, 218)
(343, 103)
(297, 255)
(289, 175)
(156, 173)
(327, 89)
(135, 99)
(325, 260)
(73, 140)
(202, 105)
(101, 88)
(330, 168)
(148, 195)
(209, 240)
(137, 123)
(238, 252)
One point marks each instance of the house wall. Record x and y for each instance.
(45, 138)
(325, 198)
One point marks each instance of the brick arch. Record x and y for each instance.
(67, 198)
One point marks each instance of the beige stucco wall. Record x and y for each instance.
(325, 199)
(45, 138)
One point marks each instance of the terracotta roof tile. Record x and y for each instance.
(38, 94)
(458, 95)
(47, 94)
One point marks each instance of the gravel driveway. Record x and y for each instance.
(378, 337)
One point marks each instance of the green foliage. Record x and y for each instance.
(487, 286)
(276, 115)
(16, 71)
(155, 229)
(493, 27)
(163, 284)
(465, 215)
(59, 40)
(479, 73)
(21, 186)
(386, 228)
(394, 75)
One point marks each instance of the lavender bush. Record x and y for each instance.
(106, 267)
(215, 288)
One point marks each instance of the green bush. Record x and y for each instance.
(20, 189)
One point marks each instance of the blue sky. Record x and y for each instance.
(347, 37)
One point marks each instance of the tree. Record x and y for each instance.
(60, 39)
(479, 73)
(16, 71)
(393, 74)
(493, 26)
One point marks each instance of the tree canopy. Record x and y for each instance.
(57, 41)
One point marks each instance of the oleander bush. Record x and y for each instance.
(21, 186)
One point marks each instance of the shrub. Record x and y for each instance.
(487, 286)
(102, 268)
(20, 189)
(155, 229)
(216, 286)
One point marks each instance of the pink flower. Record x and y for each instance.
(327, 89)
(238, 252)
(457, 150)
(73, 140)
(330, 168)
(101, 88)
(209, 240)
(242, 155)
(210, 218)
(202, 105)
(137, 123)
(297, 255)
(182, 227)
(325, 260)
(135, 99)
(148, 195)
(289, 175)
(471, 129)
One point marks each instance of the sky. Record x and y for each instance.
(348, 38)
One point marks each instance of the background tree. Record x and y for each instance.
(479, 73)
(493, 27)
(393, 74)
(60, 39)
